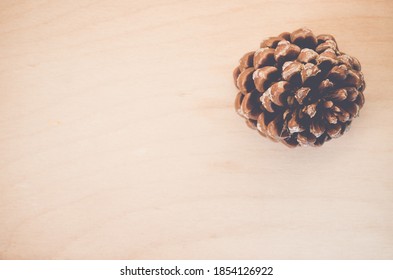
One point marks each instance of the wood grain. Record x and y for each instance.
(118, 137)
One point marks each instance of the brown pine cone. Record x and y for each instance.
(299, 89)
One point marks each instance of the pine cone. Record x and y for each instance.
(299, 89)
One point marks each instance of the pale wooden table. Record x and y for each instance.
(118, 137)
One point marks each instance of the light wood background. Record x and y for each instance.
(119, 140)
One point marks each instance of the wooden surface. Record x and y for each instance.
(118, 137)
